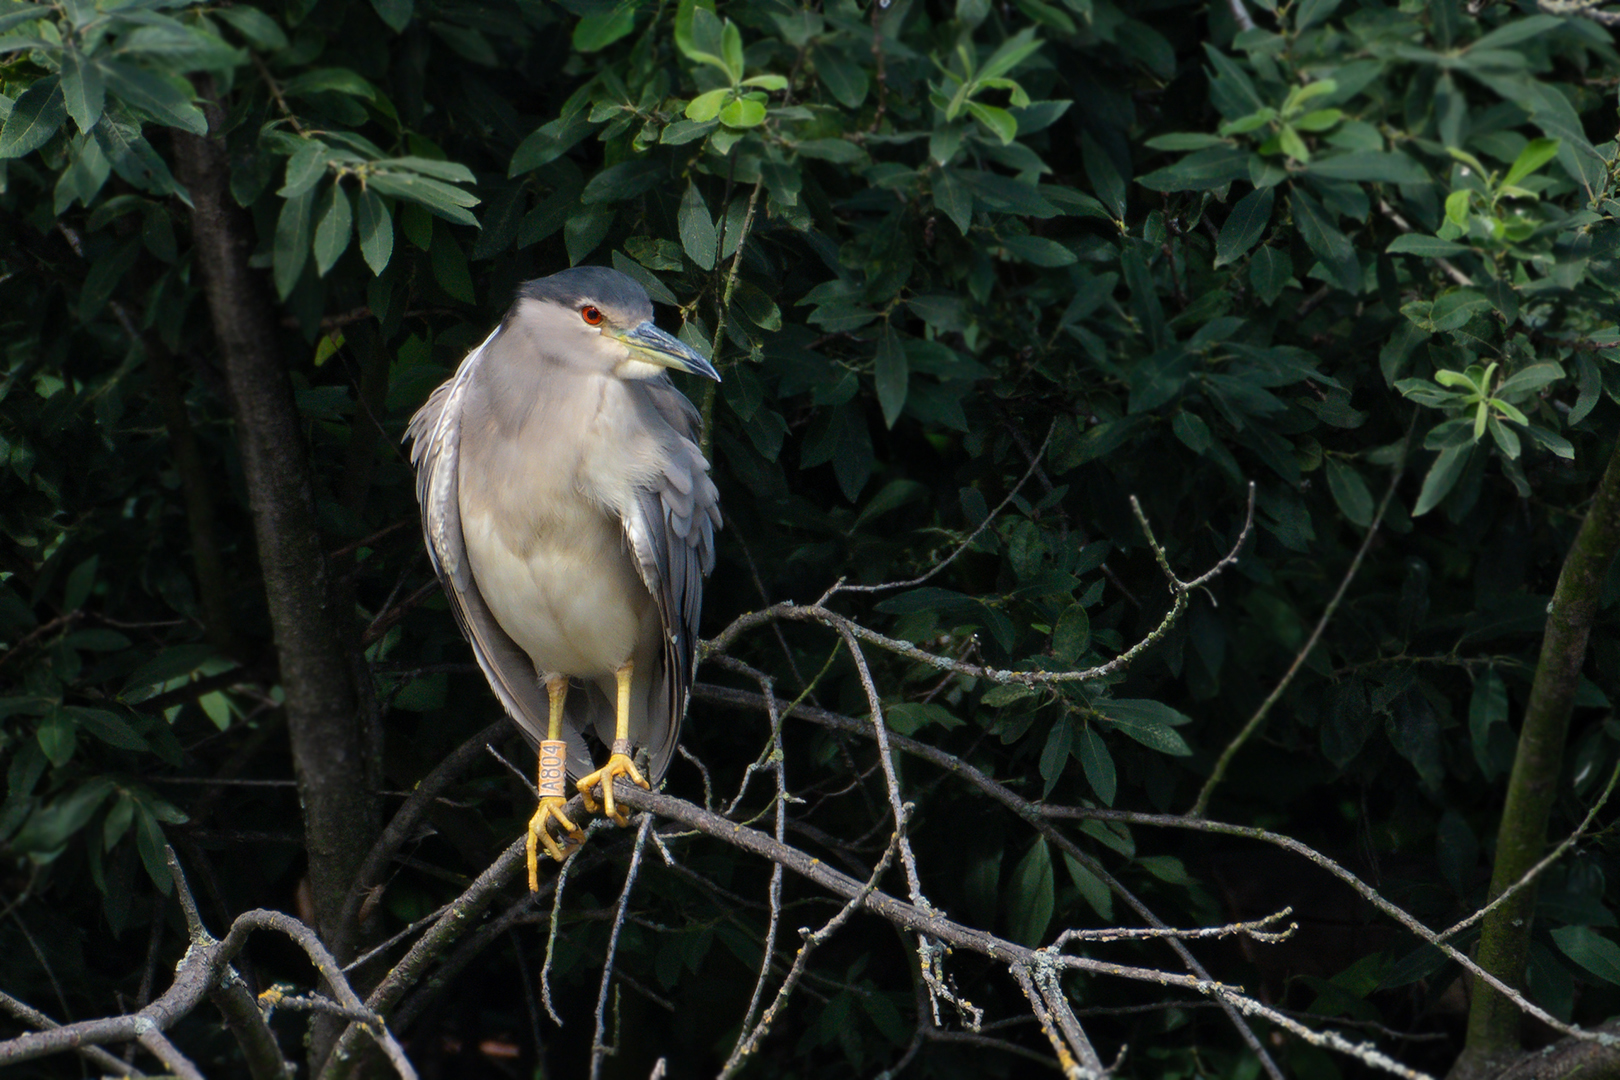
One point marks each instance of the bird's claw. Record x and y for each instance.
(558, 847)
(617, 765)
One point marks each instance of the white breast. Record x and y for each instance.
(575, 605)
(545, 549)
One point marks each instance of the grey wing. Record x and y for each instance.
(435, 435)
(671, 531)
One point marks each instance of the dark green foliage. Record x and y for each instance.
(946, 256)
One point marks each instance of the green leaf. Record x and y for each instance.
(732, 50)
(623, 181)
(1150, 723)
(1592, 951)
(1244, 225)
(1326, 241)
(1012, 52)
(438, 198)
(1072, 634)
(1311, 12)
(698, 236)
(1185, 140)
(1292, 144)
(594, 33)
(1528, 380)
(304, 169)
(1350, 492)
(1204, 170)
(23, 14)
(1536, 153)
(329, 81)
(1091, 887)
(1193, 432)
(1458, 204)
(1038, 250)
(1030, 897)
(1098, 765)
(1442, 477)
(891, 374)
(999, 121)
(333, 232)
(79, 584)
(1269, 273)
(109, 727)
(449, 171)
(1429, 247)
(155, 96)
(35, 117)
(1487, 705)
(1369, 167)
(254, 25)
(150, 843)
(1055, 754)
(1346, 721)
(395, 14)
(685, 14)
(1105, 178)
(743, 113)
(550, 141)
(134, 159)
(291, 250)
(57, 738)
(706, 107)
(450, 266)
(954, 200)
(846, 81)
(1320, 120)
(376, 231)
(83, 89)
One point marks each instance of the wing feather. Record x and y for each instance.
(670, 528)
(435, 435)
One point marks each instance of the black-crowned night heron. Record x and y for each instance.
(571, 519)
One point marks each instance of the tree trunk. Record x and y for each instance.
(1504, 944)
(329, 746)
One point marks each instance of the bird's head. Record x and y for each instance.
(596, 318)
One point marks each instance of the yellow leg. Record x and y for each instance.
(619, 764)
(553, 778)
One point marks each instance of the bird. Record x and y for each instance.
(570, 517)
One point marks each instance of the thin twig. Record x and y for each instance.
(599, 1049)
(1034, 465)
(1535, 871)
(1218, 773)
(812, 939)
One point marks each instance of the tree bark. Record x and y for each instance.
(335, 771)
(1504, 944)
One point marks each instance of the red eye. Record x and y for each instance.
(591, 315)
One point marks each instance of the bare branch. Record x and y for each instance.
(933, 924)
(848, 628)
(94, 1054)
(1075, 1056)
(1255, 929)
(1019, 805)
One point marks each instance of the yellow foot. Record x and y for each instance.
(559, 848)
(617, 765)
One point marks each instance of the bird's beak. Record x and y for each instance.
(647, 342)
